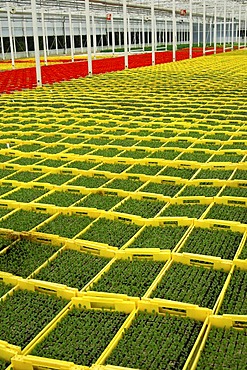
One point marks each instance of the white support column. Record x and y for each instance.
(11, 39)
(36, 43)
(129, 33)
(65, 37)
(210, 32)
(113, 34)
(191, 32)
(139, 35)
(232, 26)
(245, 28)
(25, 36)
(55, 35)
(239, 26)
(174, 38)
(215, 27)
(81, 40)
(204, 27)
(166, 30)
(143, 34)
(88, 26)
(46, 39)
(153, 31)
(224, 29)
(1, 38)
(108, 35)
(43, 35)
(94, 37)
(198, 32)
(72, 46)
(126, 59)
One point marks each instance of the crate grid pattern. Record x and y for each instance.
(131, 184)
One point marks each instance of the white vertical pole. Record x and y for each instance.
(143, 34)
(166, 33)
(71, 37)
(191, 32)
(113, 34)
(245, 28)
(88, 26)
(65, 37)
(224, 30)
(25, 36)
(46, 40)
(204, 27)
(126, 59)
(210, 32)
(94, 37)
(2, 44)
(129, 33)
(198, 32)
(139, 35)
(55, 34)
(43, 35)
(36, 43)
(232, 26)
(215, 27)
(153, 31)
(239, 26)
(81, 41)
(11, 40)
(174, 39)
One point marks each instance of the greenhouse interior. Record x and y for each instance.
(123, 158)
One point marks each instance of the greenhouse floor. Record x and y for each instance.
(58, 70)
(123, 222)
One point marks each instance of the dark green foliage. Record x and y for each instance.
(145, 208)
(230, 213)
(23, 220)
(184, 210)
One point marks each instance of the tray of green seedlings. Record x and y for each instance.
(107, 152)
(150, 143)
(72, 268)
(240, 175)
(53, 149)
(27, 313)
(196, 156)
(235, 299)
(155, 341)
(26, 161)
(163, 237)
(25, 194)
(113, 167)
(22, 220)
(24, 176)
(99, 201)
(79, 150)
(190, 284)
(232, 158)
(98, 141)
(124, 142)
(53, 163)
(5, 173)
(234, 192)
(164, 154)
(225, 348)
(61, 198)
(200, 191)
(214, 174)
(89, 181)
(184, 210)
(29, 147)
(136, 154)
(94, 328)
(150, 170)
(167, 190)
(128, 277)
(55, 178)
(24, 257)
(127, 185)
(184, 173)
(4, 212)
(51, 138)
(66, 226)
(4, 288)
(146, 208)
(5, 158)
(81, 165)
(178, 144)
(5, 189)
(112, 232)
(206, 146)
(4, 242)
(230, 213)
(213, 242)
